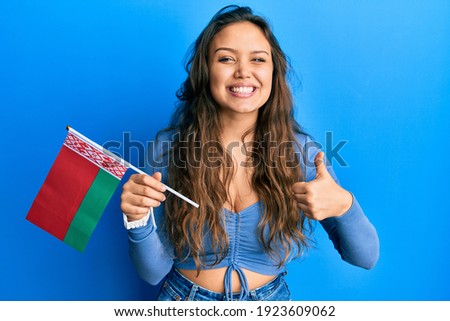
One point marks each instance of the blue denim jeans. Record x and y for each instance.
(177, 288)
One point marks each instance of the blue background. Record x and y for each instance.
(374, 73)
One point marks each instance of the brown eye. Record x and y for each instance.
(259, 60)
(226, 59)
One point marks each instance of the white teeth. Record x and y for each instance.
(242, 90)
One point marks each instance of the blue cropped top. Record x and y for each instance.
(353, 236)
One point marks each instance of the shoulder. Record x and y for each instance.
(306, 146)
(304, 140)
(158, 151)
(306, 150)
(163, 141)
(165, 135)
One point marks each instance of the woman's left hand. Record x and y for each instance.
(322, 197)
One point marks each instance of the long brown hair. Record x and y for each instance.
(196, 122)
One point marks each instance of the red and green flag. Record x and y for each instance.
(76, 191)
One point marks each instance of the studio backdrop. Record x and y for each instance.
(371, 81)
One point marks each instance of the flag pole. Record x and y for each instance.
(126, 164)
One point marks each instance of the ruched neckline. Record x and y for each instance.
(246, 209)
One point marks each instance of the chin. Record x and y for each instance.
(243, 110)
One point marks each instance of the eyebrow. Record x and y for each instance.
(235, 50)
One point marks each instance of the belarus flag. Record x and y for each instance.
(76, 191)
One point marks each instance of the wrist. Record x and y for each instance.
(136, 223)
(347, 201)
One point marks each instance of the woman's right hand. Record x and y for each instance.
(140, 193)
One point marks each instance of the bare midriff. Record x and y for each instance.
(213, 280)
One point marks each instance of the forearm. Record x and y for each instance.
(148, 254)
(354, 237)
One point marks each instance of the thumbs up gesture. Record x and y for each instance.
(322, 197)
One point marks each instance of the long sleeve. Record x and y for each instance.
(149, 250)
(148, 254)
(352, 234)
(354, 237)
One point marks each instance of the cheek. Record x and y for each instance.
(267, 79)
(214, 87)
(216, 82)
(265, 75)
(268, 75)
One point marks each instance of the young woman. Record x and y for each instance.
(235, 148)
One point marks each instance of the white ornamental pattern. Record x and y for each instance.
(97, 157)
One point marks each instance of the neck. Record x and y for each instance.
(235, 126)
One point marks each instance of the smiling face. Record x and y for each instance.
(240, 68)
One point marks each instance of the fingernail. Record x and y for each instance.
(163, 188)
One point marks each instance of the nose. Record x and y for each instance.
(242, 70)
